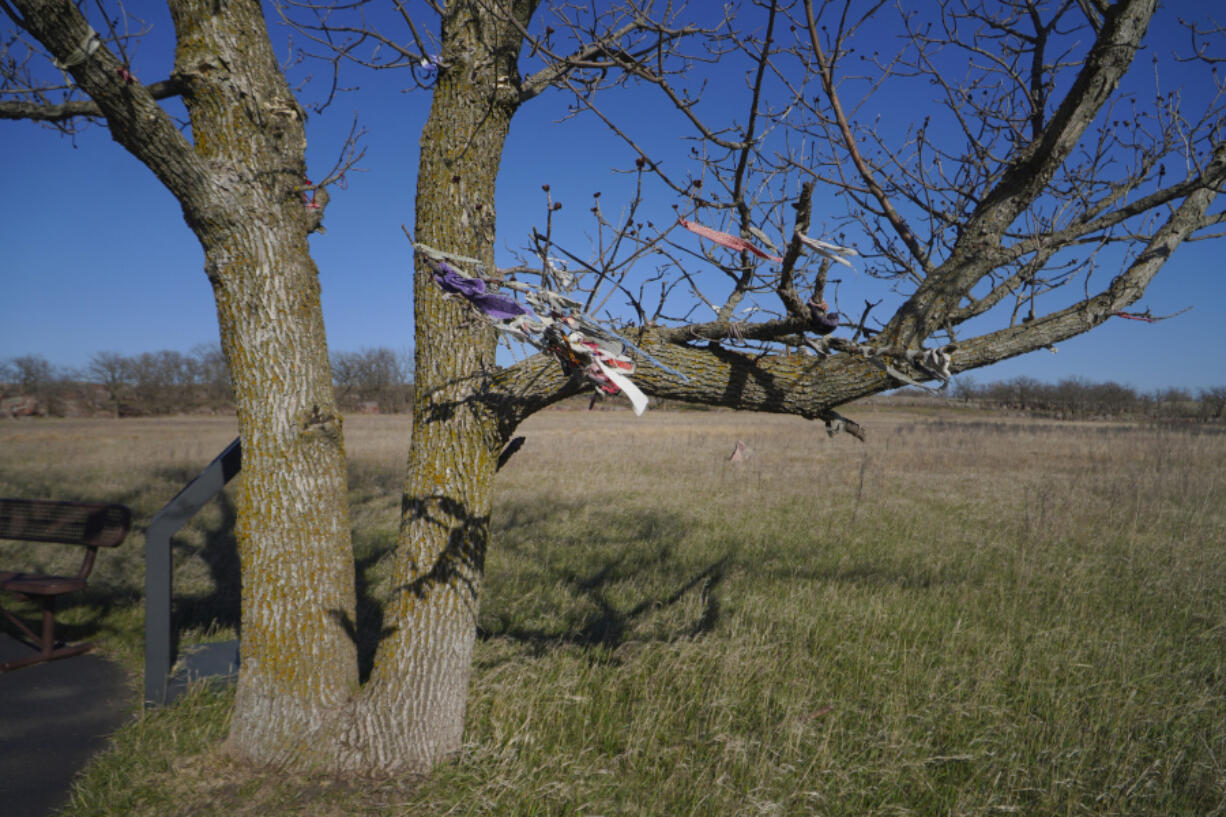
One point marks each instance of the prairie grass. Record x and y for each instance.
(965, 615)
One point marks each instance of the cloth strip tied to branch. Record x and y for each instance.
(529, 327)
(932, 362)
(599, 355)
(608, 370)
(827, 250)
(732, 242)
(82, 52)
(497, 307)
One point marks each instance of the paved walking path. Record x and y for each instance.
(53, 718)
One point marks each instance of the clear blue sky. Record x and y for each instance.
(96, 256)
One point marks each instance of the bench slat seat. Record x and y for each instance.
(89, 524)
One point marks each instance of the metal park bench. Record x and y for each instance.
(88, 524)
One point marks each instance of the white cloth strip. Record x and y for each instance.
(638, 400)
(440, 255)
(82, 52)
(818, 244)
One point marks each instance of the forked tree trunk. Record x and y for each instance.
(298, 703)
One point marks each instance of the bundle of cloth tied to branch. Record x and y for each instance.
(552, 322)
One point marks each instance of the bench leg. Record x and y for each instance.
(46, 644)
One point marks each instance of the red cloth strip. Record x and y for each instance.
(732, 242)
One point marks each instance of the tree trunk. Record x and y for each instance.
(298, 658)
(239, 182)
(299, 662)
(411, 713)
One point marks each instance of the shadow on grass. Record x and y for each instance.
(629, 569)
(617, 569)
(610, 624)
(221, 607)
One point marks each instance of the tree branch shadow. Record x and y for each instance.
(366, 630)
(635, 556)
(219, 608)
(459, 565)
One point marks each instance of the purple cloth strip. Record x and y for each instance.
(453, 281)
(498, 307)
(822, 322)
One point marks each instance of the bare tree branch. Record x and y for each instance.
(64, 111)
(1033, 166)
(849, 142)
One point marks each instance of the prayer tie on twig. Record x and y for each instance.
(430, 64)
(932, 362)
(611, 370)
(827, 250)
(638, 400)
(82, 52)
(822, 322)
(473, 290)
(599, 354)
(550, 306)
(1147, 316)
(764, 238)
(439, 255)
(604, 366)
(732, 242)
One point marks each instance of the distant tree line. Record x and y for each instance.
(373, 380)
(1076, 397)
(167, 382)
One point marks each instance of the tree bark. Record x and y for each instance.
(410, 714)
(298, 655)
(239, 183)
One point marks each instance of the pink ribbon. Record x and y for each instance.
(732, 242)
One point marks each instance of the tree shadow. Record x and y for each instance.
(220, 607)
(458, 566)
(463, 558)
(366, 629)
(611, 625)
(618, 587)
(630, 571)
(742, 368)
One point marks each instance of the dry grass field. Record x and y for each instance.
(967, 615)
